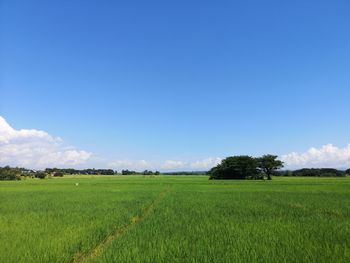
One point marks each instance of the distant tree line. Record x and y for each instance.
(82, 171)
(235, 167)
(320, 172)
(71, 171)
(145, 172)
(16, 173)
(186, 173)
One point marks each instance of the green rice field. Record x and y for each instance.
(174, 219)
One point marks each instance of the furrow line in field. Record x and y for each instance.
(95, 251)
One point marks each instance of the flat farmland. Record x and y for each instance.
(174, 219)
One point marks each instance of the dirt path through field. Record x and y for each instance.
(95, 251)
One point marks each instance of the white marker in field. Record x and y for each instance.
(76, 184)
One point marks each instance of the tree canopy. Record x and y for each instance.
(235, 167)
(268, 164)
(246, 167)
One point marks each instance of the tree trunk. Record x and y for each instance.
(269, 177)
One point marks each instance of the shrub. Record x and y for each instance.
(58, 174)
(40, 175)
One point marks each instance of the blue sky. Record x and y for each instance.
(135, 82)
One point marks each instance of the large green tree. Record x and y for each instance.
(268, 164)
(235, 167)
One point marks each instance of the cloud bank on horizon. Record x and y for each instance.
(37, 149)
(167, 165)
(326, 156)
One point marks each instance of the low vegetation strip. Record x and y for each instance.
(95, 251)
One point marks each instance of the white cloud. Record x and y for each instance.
(143, 164)
(326, 156)
(206, 163)
(130, 164)
(120, 164)
(167, 165)
(171, 164)
(203, 164)
(35, 149)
